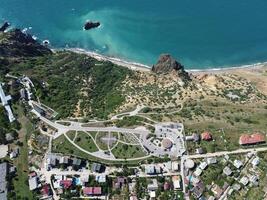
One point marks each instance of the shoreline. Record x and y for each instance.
(141, 67)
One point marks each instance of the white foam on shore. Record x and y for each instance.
(118, 61)
(142, 67)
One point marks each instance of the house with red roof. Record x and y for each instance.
(255, 138)
(91, 191)
(206, 136)
(66, 183)
(46, 190)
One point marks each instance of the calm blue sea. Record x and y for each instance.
(200, 34)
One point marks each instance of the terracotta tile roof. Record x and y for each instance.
(206, 136)
(251, 139)
(66, 183)
(92, 191)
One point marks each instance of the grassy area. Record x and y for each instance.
(21, 187)
(127, 151)
(226, 122)
(71, 134)
(62, 145)
(85, 142)
(102, 145)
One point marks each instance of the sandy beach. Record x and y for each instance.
(141, 67)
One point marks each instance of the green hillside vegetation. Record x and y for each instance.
(64, 78)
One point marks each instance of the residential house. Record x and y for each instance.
(33, 183)
(97, 167)
(244, 180)
(198, 172)
(66, 184)
(227, 171)
(3, 182)
(238, 164)
(203, 165)
(102, 178)
(256, 161)
(92, 191)
(119, 182)
(211, 160)
(176, 180)
(153, 185)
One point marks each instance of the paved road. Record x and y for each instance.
(222, 153)
(77, 127)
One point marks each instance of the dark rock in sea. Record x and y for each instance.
(4, 26)
(15, 43)
(90, 25)
(167, 64)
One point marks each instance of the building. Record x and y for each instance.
(97, 167)
(244, 180)
(76, 161)
(254, 180)
(198, 172)
(150, 169)
(84, 178)
(203, 165)
(238, 164)
(46, 191)
(64, 160)
(189, 163)
(194, 137)
(198, 190)
(66, 184)
(227, 171)
(3, 151)
(9, 137)
(255, 138)
(152, 194)
(14, 153)
(175, 166)
(153, 185)
(101, 178)
(119, 182)
(92, 191)
(236, 187)
(255, 162)
(199, 150)
(33, 183)
(4, 100)
(3, 183)
(217, 191)
(206, 136)
(166, 143)
(176, 180)
(211, 160)
(23, 94)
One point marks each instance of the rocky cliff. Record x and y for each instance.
(17, 44)
(167, 64)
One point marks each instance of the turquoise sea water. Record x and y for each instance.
(201, 34)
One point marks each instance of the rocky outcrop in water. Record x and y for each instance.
(4, 27)
(90, 25)
(15, 43)
(167, 64)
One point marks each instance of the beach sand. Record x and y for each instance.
(257, 67)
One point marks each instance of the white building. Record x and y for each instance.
(198, 172)
(238, 164)
(255, 162)
(212, 160)
(203, 165)
(244, 180)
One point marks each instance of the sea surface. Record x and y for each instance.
(200, 34)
